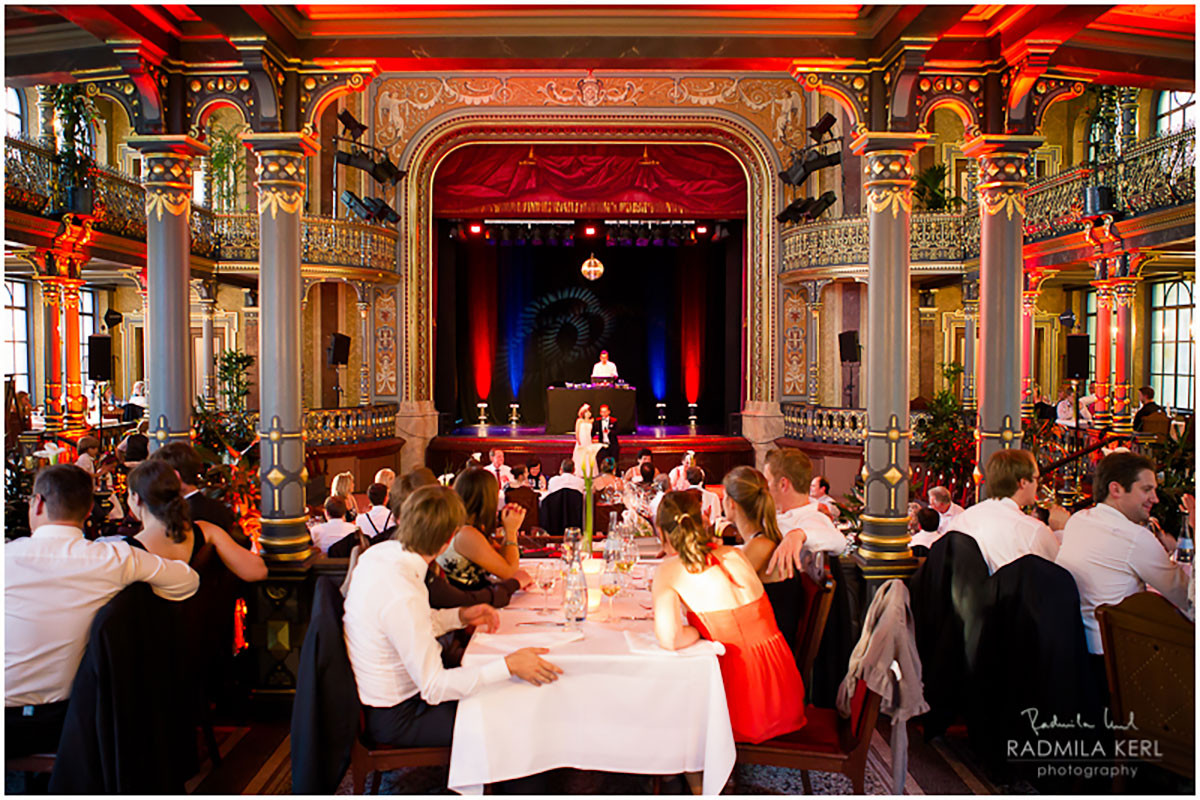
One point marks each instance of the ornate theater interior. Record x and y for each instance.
(318, 240)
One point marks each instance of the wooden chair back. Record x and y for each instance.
(818, 600)
(365, 759)
(1149, 657)
(1157, 424)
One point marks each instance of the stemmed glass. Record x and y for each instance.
(627, 558)
(548, 572)
(610, 584)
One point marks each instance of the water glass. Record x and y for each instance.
(548, 573)
(572, 540)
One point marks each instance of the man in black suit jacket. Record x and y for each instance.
(604, 429)
(1146, 395)
(183, 458)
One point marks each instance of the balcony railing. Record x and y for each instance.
(32, 185)
(807, 423)
(351, 425)
(935, 238)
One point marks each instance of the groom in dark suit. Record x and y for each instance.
(604, 429)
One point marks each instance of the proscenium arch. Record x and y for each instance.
(744, 141)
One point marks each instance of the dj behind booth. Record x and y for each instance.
(606, 388)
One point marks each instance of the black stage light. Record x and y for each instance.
(568, 236)
(355, 204)
(356, 159)
(381, 210)
(720, 232)
(625, 236)
(798, 171)
(677, 237)
(823, 126)
(505, 237)
(522, 236)
(552, 234)
(823, 202)
(643, 236)
(813, 162)
(353, 127)
(537, 239)
(386, 172)
(795, 210)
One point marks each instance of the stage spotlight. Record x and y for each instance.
(521, 236)
(610, 239)
(799, 171)
(677, 237)
(355, 204)
(356, 159)
(536, 239)
(625, 236)
(552, 236)
(381, 211)
(505, 237)
(823, 202)
(823, 126)
(385, 172)
(658, 237)
(352, 126)
(475, 228)
(720, 232)
(701, 229)
(568, 237)
(795, 210)
(589, 230)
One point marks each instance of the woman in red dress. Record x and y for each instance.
(725, 602)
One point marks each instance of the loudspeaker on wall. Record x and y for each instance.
(1078, 356)
(339, 350)
(848, 346)
(100, 357)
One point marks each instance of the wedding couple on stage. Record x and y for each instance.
(595, 440)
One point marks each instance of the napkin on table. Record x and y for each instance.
(507, 642)
(645, 643)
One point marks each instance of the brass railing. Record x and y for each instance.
(1158, 173)
(350, 425)
(935, 237)
(323, 240)
(1055, 205)
(807, 423)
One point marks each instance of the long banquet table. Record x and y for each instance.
(613, 709)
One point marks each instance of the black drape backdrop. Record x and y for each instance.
(514, 319)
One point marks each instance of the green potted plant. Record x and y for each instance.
(226, 165)
(75, 112)
(930, 190)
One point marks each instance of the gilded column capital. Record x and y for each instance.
(1123, 291)
(887, 169)
(1003, 171)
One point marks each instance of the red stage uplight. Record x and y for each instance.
(691, 317)
(589, 230)
(476, 228)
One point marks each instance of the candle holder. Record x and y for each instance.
(514, 414)
(662, 413)
(482, 413)
(692, 414)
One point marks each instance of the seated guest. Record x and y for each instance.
(156, 499)
(89, 448)
(378, 518)
(334, 528)
(1148, 407)
(655, 488)
(748, 505)
(1065, 410)
(678, 474)
(929, 524)
(1088, 401)
(135, 448)
(566, 478)
(471, 557)
(634, 473)
(343, 487)
(608, 477)
(385, 476)
(409, 698)
(710, 504)
(1109, 549)
(1042, 410)
(409, 483)
(55, 581)
(1002, 530)
(941, 502)
(806, 530)
(186, 462)
(497, 467)
(537, 481)
(819, 490)
(520, 492)
(725, 602)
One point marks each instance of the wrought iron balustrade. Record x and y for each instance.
(350, 425)
(935, 237)
(119, 202)
(30, 174)
(807, 423)
(1158, 173)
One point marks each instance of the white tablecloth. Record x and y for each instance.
(612, 709)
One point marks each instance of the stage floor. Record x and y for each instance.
(525, 431)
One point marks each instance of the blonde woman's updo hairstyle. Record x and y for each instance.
(681, 522)
(747, 487)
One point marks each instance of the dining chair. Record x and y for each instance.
(827, 742)
(816, 602)
(1149, 658)
(368, 758)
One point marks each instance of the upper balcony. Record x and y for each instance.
(226, 243)
(1156, 176)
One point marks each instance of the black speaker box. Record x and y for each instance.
(99, 357)
(848, 346)
(339, 350)
(1078, 356)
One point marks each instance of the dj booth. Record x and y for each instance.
(563, 402)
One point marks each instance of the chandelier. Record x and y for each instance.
(592, 268)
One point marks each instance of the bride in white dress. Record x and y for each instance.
(585, 451)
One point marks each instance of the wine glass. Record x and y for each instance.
(610, 584)
(627, 557)
(547, 576)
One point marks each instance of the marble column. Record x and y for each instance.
(888, 180)
(52, 300)
(364, 367)
(1103, 416)
(167, 176)
(1123, 290)
(970, 401)
(76, 404)
(208, 367)
(46, 135)
(1003, 178)
(281, 189)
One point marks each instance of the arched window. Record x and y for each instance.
(14, 356)
(14, 109)
(1172, 375)
(1176, 111)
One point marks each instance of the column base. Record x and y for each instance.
(883, 551)
(1102, 419)
(285, 540)
(1122, 425)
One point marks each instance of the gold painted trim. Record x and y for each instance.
(873, 539)
(900, 434)
(890, 555)
(280, 435)
(305, 539)
(283, 520)
(884, 520)
(298, 556)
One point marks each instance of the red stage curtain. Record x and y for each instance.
(589, 181)
(692, 301)
(481, 318)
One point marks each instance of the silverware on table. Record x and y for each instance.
(542, 622)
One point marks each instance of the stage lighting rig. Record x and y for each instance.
(379, 167)
(381, 211)
(822, 128)
(796, 210)
(813, 161)
(353, 128)
(356, 204)
(822, 203)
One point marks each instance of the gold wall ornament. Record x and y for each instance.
(175, 203)
(592, 268)
(273, 200)
(881, 198)
(1007, 200)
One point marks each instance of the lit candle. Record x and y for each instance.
(592, 567)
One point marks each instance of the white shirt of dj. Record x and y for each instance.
(603, 369)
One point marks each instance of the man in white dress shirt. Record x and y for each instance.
(941, 502)
(497, 467)
(1109, 550)
(335, 527)
(819, 490)
(805, 528)
(710, 504)
(409, 698)
(604, 368)
(566, 478)
(55, 581)
(1002, 530)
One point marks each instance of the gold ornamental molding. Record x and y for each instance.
(174, 203)
(751, 147)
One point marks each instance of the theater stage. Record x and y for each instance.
(716, 453)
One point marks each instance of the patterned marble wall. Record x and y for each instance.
(385, 343)
(795, 326)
